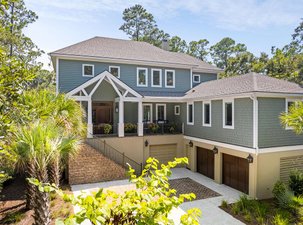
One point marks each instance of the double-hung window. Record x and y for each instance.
(160, 112)
(147, 113)
(115, 70)
(206, 114)
(87, 70)
(169, 78)
(156, 78)
(228, 114)
(190, 113)
(142, 77)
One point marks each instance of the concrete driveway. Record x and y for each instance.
(211, 213)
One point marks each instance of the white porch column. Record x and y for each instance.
(89, 119)
(140, 119)
(121, 119)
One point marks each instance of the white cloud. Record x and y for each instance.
(230, 14)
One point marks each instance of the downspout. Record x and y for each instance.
(191, 78)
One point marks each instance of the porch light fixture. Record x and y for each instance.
(146, 143)
(215, 150)
(250, 159)
(116, 109)
(191, 144)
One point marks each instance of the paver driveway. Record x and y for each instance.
(211, 213)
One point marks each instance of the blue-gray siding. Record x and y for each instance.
(205, 77)
(241, 135)
(271, 132)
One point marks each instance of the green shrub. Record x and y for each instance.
(279, 189)
(14, 217)
(296, 182)
(247, 216)
(279, 219)
(107, 128)
(130, 127)
(285, 200)
(235, 208)
(224, 204)
(260, 210)
(153, 127)
(244, 203)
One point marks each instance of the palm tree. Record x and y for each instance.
(66, 113)
(36, 145)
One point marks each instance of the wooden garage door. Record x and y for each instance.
(236, 172)
(205, 162)
(164, 153)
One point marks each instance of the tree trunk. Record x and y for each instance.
(30, 189)
(42, 202)
(54, 172)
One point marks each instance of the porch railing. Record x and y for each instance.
(115, 155)
(162, 127)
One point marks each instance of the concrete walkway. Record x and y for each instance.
(211, 213)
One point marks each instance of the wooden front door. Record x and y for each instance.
(205, 162)
(236, 172)
(102, 112)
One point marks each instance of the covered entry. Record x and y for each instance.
(205, 162)
(164, 153)
(236, 172)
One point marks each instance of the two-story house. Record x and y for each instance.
(150, 102)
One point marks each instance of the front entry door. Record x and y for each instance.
(102, 113)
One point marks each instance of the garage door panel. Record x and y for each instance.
(164, 153)
(236, 172)
(205, 162)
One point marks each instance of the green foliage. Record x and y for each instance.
(138, 22)
(177, 44)
(130, 127)
(153, 127)
(279, 219)
(224, 204)
(107, 128)
(279, 188)
(296, 182)
(198, 49)
(292, 118)
(13, 218)
(150, 203)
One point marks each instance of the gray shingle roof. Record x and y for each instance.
(103, 47)
(247, 83)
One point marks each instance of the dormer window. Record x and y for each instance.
(87, 70)
(115, 70)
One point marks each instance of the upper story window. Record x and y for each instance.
(289, 103)
(206, 114)
(177, 110)
(190, 113)
(115, 70)
(160, 112)
(142, 77)
(196, 78)
(228, 114)
(169, 78)
(147, 113)
(87, 70)
(156, 77)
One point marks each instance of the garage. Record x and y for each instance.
(164, 153)
(236, 172)
(205, 162)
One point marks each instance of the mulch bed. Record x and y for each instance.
(187, 185)
(12, 204)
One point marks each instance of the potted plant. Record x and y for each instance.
(153, 127)
(107, 128)
(130, 128)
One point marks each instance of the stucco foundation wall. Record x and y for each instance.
(269, 171)
(134, 147)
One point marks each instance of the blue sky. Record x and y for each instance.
(259, 24)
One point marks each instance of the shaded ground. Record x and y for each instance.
(12, 204)
(187, 185)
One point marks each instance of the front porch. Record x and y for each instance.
(114, 109)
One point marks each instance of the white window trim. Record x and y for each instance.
(93, 70)
(187, 114)
(233, 113)
(151, 112)
(177, 106)
(118, 67)
(198, 75)
(152, 77)
(146, 74)
(287, 100)
(174, 77)
(157, 111)
(203, 108)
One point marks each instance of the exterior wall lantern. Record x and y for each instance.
(215, 150)
(146, 143)
(116, 109)
(250, 159)
(191, 144)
